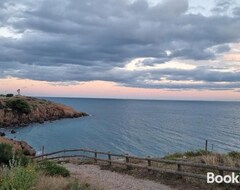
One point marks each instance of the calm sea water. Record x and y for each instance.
(138, 127)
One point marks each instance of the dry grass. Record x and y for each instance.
(60, 183)
(220, 159)
(51, 183)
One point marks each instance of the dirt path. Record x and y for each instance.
(108, 180)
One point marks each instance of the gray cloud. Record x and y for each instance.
(92, 40)
(223, 6)
(209, 78)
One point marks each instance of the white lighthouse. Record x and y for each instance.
(19, 92)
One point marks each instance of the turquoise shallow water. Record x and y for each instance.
(139, 127)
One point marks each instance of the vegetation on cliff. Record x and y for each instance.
(20, 106)
(18, 146)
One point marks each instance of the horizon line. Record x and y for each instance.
(139, 99)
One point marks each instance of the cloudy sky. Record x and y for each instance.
(160, 49)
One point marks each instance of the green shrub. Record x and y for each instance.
(234, 154)
(1, 106)
(21, 106)
(6, 153)
(196, 153)
(9, 95)
(22, 159)
(52, 169)
(18, 178)
(178, 155)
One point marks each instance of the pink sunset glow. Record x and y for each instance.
(101, 89)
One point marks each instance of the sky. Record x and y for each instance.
(140, 49)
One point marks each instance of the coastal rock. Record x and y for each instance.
(19, 145)
(27, 149)
(13, 131)
(40, 111)
(2, 134)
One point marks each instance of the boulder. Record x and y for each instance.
(2, 134)
(27, 149)
(13, 131)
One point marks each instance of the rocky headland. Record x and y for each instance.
(21, 111)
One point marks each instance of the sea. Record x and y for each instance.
(139, 127)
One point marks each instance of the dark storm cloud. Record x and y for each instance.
(93, 39)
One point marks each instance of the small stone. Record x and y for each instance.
(2, 134)
(13, 131)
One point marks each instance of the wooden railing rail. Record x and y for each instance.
(128, 164)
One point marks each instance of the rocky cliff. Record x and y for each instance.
(21, 111)
(19, 145)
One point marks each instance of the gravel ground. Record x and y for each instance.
(107, 180)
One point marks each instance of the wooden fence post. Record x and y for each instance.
(149, 163)
(64, 153)
(95, 156)
(42, 152)
(221, 172)
(179, 169)
(109, 158)
(127, 161)
(206, 145)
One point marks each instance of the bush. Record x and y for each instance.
(6, 153)
(197, 153)
(234, 154)
(18, 177)
(22, 159)
(9, 95)
(188, 154)
(52, 169)
(1, 106)
(20, 106)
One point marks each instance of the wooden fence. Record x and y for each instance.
(149, 162)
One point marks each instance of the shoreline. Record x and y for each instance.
(20, 111)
